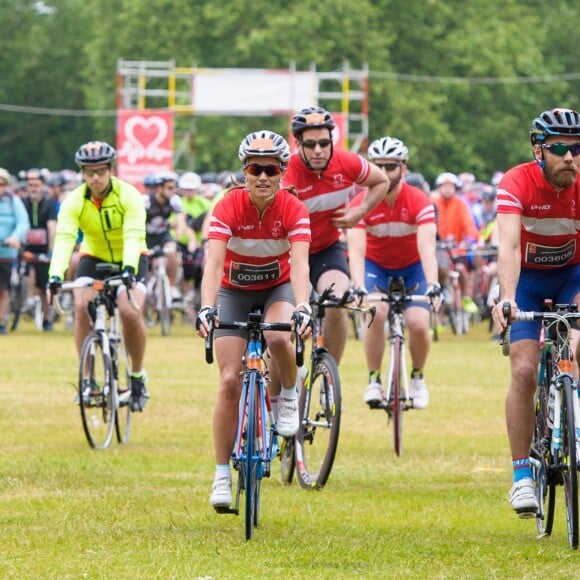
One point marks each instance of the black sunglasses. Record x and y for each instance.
(388, 166)
(561, 149)
(324, 143)
(256, 169)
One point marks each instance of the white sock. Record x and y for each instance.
(289, 394)
(222, 470)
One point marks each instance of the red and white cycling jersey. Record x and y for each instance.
(550, 220)
(258, 248)
(392, 230)
(325, 194)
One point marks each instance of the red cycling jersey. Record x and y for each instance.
(392, 230)
(325, 194)
(258, 247)
(550, 226)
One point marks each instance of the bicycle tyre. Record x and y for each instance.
(18, 296)
(122, 376)
(250, 466)
(570, 474)
(164, 305)
(38, 313)
(287, 460)
(541, 453)
(396, 404)
(96, 374)
(317, 439)
(455, 320)
(434, 325)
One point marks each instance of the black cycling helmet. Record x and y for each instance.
(555, 122)
(162, 177)
(311, 118)
(415, 179)
(95, 153)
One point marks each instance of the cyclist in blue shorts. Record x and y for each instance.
(538, 259)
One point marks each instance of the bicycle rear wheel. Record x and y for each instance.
(396, 404)
(251, 463)
(287, 460)
(569, 461)
(320, 408)
(97, 396)
(122, 375)
(541, 458)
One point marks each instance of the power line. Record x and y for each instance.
(475, 80)
(403, 77)
(57, 112)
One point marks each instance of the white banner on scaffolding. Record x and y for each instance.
(252, 91)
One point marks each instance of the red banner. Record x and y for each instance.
(144, 144)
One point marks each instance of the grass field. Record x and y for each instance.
(140, 511)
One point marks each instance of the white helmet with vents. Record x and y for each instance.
(388, 148)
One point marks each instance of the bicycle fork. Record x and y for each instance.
(397, 332)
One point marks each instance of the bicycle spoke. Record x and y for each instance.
(320, 409)
(96, 396)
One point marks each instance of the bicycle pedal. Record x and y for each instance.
(225, 510)
(376, 404)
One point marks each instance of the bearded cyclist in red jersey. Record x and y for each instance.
(538, 259)
(325, 180)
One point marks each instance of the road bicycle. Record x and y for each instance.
(555, 446)
(311, 452)
(396, 398)
(256, 441)
(19, 300)
(20, 303)
(159, 298)
(452, 306)
(104, 381)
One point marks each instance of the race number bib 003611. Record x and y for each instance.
(249, 274)
(537, 255)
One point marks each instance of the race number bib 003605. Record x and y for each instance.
(249, 274)
(537, 255)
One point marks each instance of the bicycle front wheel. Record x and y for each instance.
(396, 403)
(541, 458)
(320, 408)
(569, 461)
(251, 465)
(18, 296)
(122, 375)
(97, 396)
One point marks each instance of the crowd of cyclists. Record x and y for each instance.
(228, 238)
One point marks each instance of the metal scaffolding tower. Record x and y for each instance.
(143, 85)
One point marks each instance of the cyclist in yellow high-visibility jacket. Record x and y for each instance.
(111, 215)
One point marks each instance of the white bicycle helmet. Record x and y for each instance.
(95, 153)
(264, 144)
(388, 148)
(448, 177)
(189, 180)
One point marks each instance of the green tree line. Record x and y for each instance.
(458, 80)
